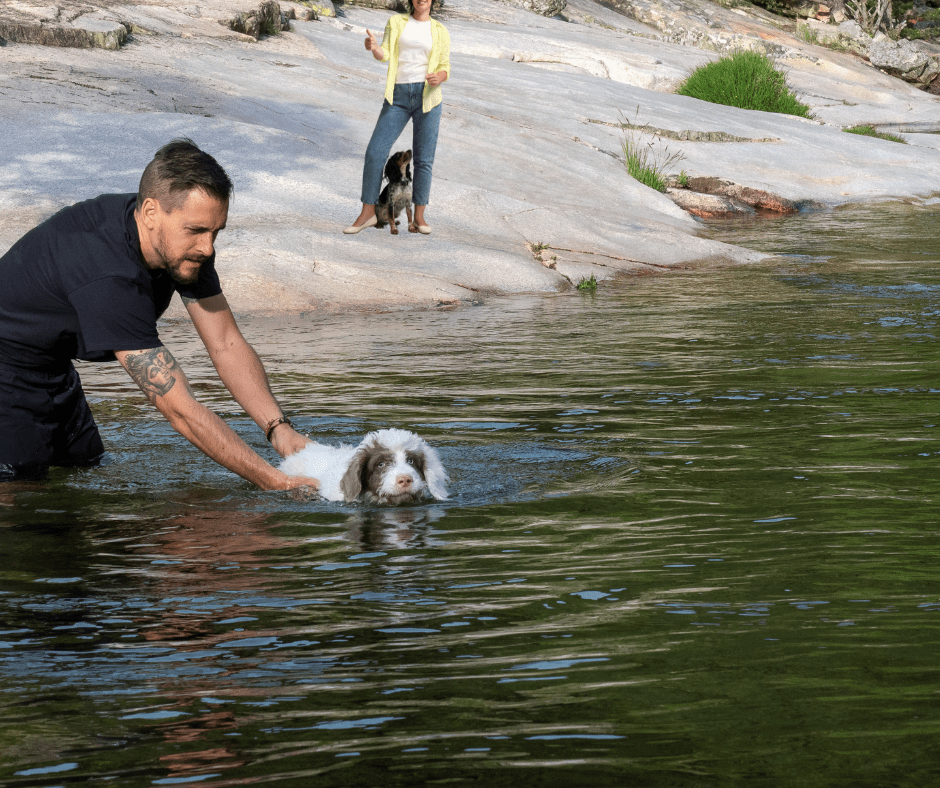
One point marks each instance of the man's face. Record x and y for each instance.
(183, 239)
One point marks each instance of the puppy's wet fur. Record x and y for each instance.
(396, 196)
(377, 474)
(389, 466)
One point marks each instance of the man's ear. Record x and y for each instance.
(149, 212)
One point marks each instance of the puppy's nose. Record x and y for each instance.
(404, 481)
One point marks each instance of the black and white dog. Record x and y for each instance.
(389, 466)
(397, 192)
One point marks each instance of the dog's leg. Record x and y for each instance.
(412, 227)
(394, 225)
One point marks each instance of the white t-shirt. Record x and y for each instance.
(414, 51)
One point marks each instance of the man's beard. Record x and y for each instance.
(174, 267)
(175, 270)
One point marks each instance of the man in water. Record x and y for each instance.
(90, 283)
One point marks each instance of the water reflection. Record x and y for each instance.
(395, 529)
(692, 541)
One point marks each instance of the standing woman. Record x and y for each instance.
(417, 49)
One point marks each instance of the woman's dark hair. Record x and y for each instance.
(178, 168)
(407, 7)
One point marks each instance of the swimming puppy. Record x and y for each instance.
(397, 192)
(389, 466)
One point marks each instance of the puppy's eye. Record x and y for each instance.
(382, 463)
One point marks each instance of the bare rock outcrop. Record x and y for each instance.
(757, 199)
(905, 59)
(708, 206)
(702, 25)
(912, 61)
(391, 5)
(265, 20)
(58, 27)
(541, 7)
(709, 198)
(846, 35)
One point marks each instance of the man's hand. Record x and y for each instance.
(304, 492)
(286, 440)
(301, 483)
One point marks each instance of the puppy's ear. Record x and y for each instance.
(351, 483)
(434, 474)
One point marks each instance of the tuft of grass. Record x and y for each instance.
(806, 33)
(683, 179)
(744, 79)
(870, 131)
(587, 283)
(647, 161)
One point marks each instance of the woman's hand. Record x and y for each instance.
(373, 46)
(437, 78)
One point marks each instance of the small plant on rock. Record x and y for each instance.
(648, 161)
(808, 34)
(744, 79)
(587, 283)
(871, 131)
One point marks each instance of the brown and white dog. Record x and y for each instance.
(396, 195)
(389, 466)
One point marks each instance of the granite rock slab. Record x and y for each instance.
(529, 156)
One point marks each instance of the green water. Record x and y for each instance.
(692, 541)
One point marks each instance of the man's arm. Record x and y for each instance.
(241, 370)
(166, 386)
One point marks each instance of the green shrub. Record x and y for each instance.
(789, 8)
(870, 131)
(587, 284)
(744, 79)
(930, 15)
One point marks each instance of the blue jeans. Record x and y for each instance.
(392, 120)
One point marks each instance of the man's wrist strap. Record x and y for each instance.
(271, 425)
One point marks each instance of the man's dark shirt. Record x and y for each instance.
(76, 287)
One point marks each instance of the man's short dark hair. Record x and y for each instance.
(178, 168)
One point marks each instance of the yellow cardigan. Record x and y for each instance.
(439, 59)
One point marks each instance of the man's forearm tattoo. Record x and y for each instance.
(153, 370)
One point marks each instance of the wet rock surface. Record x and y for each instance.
(708, 206)
(757, 199)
